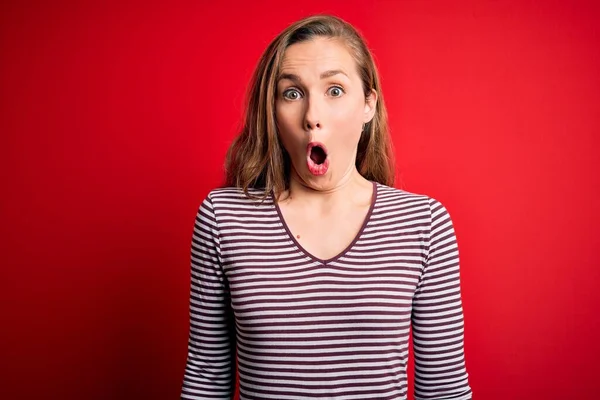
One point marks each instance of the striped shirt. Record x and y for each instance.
(306, 328)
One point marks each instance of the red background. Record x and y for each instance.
(115, 119)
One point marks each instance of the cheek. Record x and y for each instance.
(289, 134)
(347, 119)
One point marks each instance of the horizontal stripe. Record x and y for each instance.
(304, 328)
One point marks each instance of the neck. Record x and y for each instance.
(351, 189)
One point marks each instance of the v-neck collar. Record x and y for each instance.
(348, 248)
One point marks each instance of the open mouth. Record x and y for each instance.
(317, 154)
(316, 159)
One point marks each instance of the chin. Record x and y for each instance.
(321, 182)
(316, 181)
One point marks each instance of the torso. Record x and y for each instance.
(306, 325)
(334, 327)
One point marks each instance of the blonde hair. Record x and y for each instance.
(257, 159)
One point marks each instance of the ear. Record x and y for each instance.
(370, 106)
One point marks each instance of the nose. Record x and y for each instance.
(311, 126)
(312, 118)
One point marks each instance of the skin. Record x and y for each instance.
(320, 98)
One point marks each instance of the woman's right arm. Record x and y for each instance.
(210, 363)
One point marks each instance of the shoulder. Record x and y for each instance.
(233, 198)
(388, 196)
(409, 202)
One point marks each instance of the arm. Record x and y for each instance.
(437, 318)
(209, 369)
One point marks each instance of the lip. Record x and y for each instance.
(314, 168)
(313, 144)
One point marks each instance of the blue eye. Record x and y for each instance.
(292, 94)
(335, 91)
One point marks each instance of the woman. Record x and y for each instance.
(308, 265)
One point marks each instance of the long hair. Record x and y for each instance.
(257, 159)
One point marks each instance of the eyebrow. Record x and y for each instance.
(324, 75)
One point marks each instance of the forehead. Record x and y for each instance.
(318, 55)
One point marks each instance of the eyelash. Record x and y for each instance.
(300, 93)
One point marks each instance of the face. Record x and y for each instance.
(320, 110)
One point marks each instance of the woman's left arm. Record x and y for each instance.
(437, 317)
